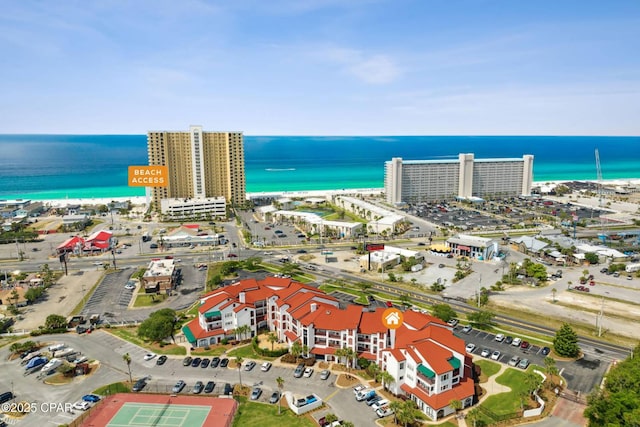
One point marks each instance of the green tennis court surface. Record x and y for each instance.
(158, 414)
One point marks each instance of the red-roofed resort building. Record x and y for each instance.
(429, 364)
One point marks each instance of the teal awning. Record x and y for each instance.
(210, 314)
(454, 362)
(188, 334)
(426, 371)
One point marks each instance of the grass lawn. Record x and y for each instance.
(246, 352)
(488, 368)
(112, 389)
(148, 300)
(130, 334)
(262, 415)
(505, 403)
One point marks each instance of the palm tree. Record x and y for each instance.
(272, 338)
(127, 359)
(473, 415)
(296, 349)
(350, 355)
(330, 418)
(280, 382)
(239, 361)
(387, 379)
(396, 407)
(375, 371)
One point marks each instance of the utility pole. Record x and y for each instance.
(600, 315)
(479, 287)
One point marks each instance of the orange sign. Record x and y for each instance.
(392, 318)
(148, 176)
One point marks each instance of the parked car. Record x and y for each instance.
(545, 351)
(524, 345)
(372, 399)
(82, 405)
(357, 389)
(178, 387)
(187, 361)
(524, 363)
(514, 361)
(324, 374)
(467, 329)
(196, 362)
(205, 363)
(249, 365)
(139, 385)
(365, 394)
(161, 360)
(197, 387)
(92, 398)
(227, 389)
(255, 393)
(215, 362)
(265, 366)
(379, 404)
(298, 371)
(453, 323)
(275, 396)
(516, 342)
(209, 387)
(508, 340)
(149, 356)
(470, 347)
(224, 362)
(499, 338)
(308, 372)
(495, 355)
(485, 352)
(385, 411)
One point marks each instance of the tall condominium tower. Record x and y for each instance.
(413, 181)
(201, 164)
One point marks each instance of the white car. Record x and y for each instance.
(358, 388)
(385, 411)
(495, 355)
(470, 347)
(379, 404)
(265, 366)
(516, 342)
(499, 337)
(485, 352)
(308, 372)
(82, 405)
(130, 286)
(149, 356)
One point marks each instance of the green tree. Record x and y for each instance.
(617, 403)
(214, 282)
(55, 321)
(550, 367)
(330, 418)
(280, 382)
(252, 263)
(239, 361)
(455, 404)
(387, 379)
(374, 370)
(532, 381)
(272, 338)
(47, 275)
(127, 359)
(444, 312)
(591, 258)
(481, 319)
(405, 300)
(474, 417)
(365, 286)
(565, 342)
(33, 294)
(296, 349)
(158, 326)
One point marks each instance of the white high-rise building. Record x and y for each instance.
(414, 181)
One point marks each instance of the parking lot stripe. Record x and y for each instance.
(331, 395)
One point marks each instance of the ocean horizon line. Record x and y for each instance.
(336, 135)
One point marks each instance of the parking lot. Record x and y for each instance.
(581, 375)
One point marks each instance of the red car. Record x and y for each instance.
(232, 256)
(592, 283)
(389, 304)
(524, 345)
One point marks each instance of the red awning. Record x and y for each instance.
(323, 350)
(464, 248)
(292, 337)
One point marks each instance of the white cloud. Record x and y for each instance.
(368, 68)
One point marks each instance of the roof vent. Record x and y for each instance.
(328, 312)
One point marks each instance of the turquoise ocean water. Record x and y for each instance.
(87, 166)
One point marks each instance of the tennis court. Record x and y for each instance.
(157, 414)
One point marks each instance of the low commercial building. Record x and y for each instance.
(480, 248)
(161, 277)
(180, 208)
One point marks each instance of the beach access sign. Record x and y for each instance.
(148, 176)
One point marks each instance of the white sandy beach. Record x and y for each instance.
(142, 200)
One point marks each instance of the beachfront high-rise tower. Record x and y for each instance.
(201, 164)
(415, 181)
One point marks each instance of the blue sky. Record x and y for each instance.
(322, 67)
